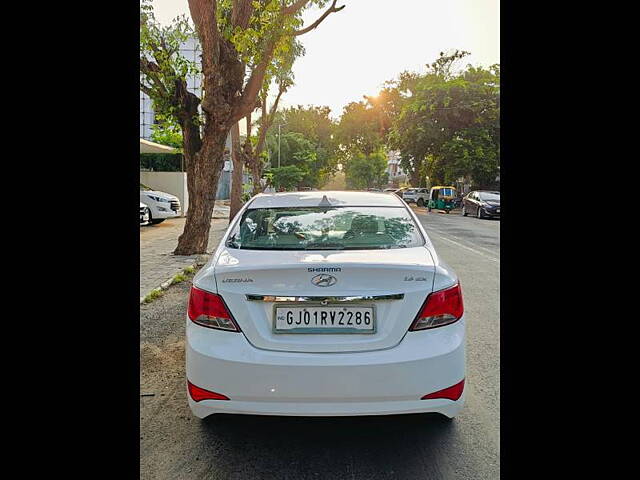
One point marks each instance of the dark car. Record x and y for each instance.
(482, 204)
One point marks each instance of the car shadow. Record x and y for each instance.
(398, 446)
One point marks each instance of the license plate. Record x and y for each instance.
(497, 210)
(324, 319)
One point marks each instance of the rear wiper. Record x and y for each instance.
(324, 246)
(231, 242)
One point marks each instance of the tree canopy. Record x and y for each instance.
(306, 142)
(243, 42)
(447, 125)
(364, 171)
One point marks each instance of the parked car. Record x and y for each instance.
(482, 203)
(419, 196)
(144, 214)
(400, 191)
(317, 304)
(161, 205)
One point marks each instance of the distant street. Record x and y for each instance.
(174, 444)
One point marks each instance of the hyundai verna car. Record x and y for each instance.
(482, 203)
(325, 304)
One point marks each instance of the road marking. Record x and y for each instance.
(486, 250)
(483, 254)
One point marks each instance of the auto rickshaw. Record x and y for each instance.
(442, 198)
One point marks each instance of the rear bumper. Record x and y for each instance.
(205, 408)
(381, 382)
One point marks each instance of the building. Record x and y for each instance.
(191, 51)
(394, 170)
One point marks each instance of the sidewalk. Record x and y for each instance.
(157, 263)
(220, 211)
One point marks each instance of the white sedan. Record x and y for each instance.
(325, 304)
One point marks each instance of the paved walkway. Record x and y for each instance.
(157, 263)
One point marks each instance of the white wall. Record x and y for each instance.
(174, 183)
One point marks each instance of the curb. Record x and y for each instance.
(199, 261)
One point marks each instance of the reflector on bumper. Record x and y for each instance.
(198, 394)
(453, 392)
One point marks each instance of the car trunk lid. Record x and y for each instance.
(248, 280)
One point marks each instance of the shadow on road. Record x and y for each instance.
(402, 446)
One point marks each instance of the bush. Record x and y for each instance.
(161, 162)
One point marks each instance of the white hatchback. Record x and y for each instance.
(323, 304)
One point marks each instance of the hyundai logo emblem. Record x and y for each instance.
(324, 280)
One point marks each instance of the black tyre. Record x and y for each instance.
(154, 221)
(420, 202)
(479, 213)
(464, 211)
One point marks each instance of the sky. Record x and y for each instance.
(354, 51)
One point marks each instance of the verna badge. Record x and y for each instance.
(324, 280)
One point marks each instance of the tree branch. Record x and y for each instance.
(248, 119)
(315, 24)
(147, 90)
(274, 107)
(294, 7)
(267, 120)
(152, 71)
(247, 102)
(203, 13)
(241, 13)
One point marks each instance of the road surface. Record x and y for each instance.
(174, 444)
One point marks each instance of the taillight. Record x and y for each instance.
(440, 308)
(198, 394)
(208, 309)
(453, 392)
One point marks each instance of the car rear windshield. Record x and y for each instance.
(325, 228)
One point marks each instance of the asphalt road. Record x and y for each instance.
(174, 444)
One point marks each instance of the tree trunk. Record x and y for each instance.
(236, 179)
(202, 183)
(222, 80)
(256, 173)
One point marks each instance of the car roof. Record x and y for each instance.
(333, 198)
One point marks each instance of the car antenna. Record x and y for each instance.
(324, 202)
